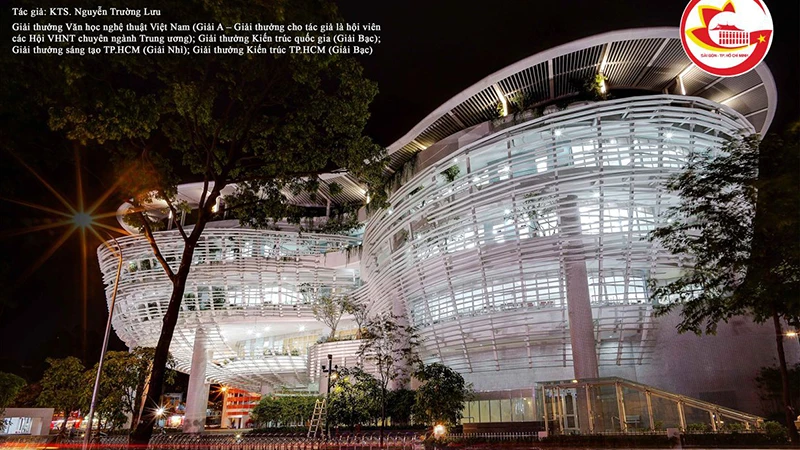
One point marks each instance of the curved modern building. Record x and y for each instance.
(515, 240)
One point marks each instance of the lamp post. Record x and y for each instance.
(330, 369)
(87, 437)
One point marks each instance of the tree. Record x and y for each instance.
(27, 396)
(441, 397)
(359, 312)
(392, 348)
(142, 366)
(353, 398)
(264, 123)
(121, 384)
(10, 386)
(283, 410)
(732, 224)
(770, 386)
(400, 406)
(329, 309)
(63, 386)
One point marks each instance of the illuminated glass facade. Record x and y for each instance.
(516, 244)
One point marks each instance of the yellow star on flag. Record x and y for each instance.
(761, 38)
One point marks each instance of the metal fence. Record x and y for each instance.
(228, 441)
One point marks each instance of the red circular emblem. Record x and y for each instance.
(726, 38)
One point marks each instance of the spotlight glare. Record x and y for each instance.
(82, 219)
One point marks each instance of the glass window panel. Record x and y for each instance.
(494, 411)
(529, 410)
(665, 413)
(505, 410)
(484, 411)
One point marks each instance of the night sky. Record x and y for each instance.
(430, 51)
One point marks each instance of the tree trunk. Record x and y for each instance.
(787, 396)
(144, 429)
(383, 414)
(141, 399)
(64, 425)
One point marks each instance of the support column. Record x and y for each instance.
(197, 392)
(579, 307)
(223, 421)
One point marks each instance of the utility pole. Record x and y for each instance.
(87, 437)
(330, 369)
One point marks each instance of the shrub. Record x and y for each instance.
(775, 431)
(699, 427)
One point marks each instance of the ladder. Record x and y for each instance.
(317, 418)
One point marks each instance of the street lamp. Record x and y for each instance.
(87, 436)
(330, 370)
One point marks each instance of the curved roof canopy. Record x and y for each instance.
(648, 59)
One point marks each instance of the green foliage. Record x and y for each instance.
(27, 396)
(770, 388)
(63, 385)
(283, 410)
(344, 222)
(498, 111)
(698, 427)
(267, 123)
(741, 264)
(335, 188)
(359, 312)
(263, 122)
(329, 309)
(10, 386)
(775, 431)
(354, 398)
(713, 225)
(399, 406)
(773, 277)
(744, 256)
(733, 427)
(392, 348)
(522, 101)
(121, 384)
(441, 397)
(451, 173)
(590, 88)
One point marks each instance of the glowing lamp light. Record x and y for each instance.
(223, 389)
(160, 411)
(791, 334)
(82, 219)
(669, 135)
(558, 132)
(439, 430)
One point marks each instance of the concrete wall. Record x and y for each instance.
(719, 368)
(41, 418)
